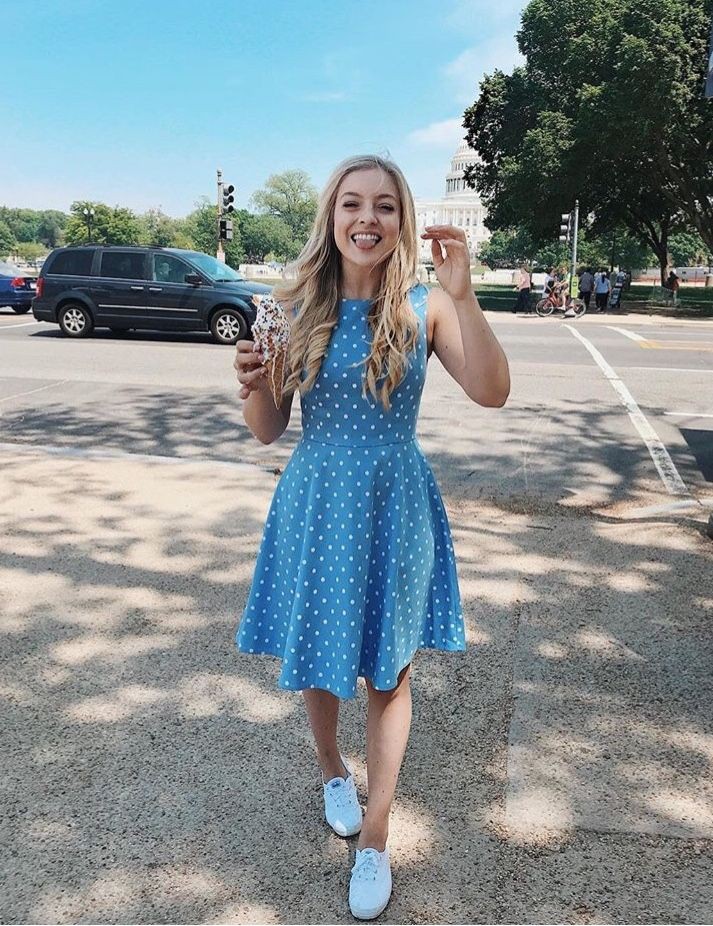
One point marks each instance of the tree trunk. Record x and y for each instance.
(655, 237)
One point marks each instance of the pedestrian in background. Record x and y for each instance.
(602, 288)
(586, 286)
(523, 286)
(673, 283)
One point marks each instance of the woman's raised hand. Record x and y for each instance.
(453, 269)
(252, 373)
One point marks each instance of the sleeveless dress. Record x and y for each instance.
(356, 569)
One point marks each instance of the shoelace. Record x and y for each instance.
(366, 867)
(340, 793)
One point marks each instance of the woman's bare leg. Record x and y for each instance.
(387, 730)
(323, 712)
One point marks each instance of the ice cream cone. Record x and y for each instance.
(276, 375)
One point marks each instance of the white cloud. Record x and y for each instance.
(466, 71)
(445, 134)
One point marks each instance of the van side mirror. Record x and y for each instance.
(193, 278)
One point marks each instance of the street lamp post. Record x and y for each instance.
(89, 214)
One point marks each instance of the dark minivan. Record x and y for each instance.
(166, 289)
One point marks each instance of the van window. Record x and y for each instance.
(72, 263)
(123, 265)
(167, 269)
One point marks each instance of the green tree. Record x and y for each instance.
(30, 250)
(116, 225)
(688, 249)
(289, 196)
(262, 235)
(8, 242)
(580, 120)
(51, 227)
(158, 229)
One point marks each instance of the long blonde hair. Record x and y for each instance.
(316, 291)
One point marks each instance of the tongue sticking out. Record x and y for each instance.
(365, 244)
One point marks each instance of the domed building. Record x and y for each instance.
(461, 206)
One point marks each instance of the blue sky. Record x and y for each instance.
(138, 103)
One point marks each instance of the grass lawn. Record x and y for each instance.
(694, 301)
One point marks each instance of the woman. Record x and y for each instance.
(356, 569)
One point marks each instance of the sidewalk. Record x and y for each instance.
(559, 771)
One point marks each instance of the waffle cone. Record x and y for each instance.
(276, 375)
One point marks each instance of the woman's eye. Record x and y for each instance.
(388, 208)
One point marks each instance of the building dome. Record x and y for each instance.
(464, 157)
(461, 206)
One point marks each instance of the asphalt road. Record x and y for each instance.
(566, 432)
(561, 770)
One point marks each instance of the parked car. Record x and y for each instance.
(17, 288)
(129, 288)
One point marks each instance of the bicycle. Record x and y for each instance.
(545, 307)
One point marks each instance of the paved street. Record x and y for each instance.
(559, 771)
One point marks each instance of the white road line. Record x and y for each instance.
(688, 414)
(23, 325)
(16, 395)
(669, 369)
(629, 334)
(659, 454)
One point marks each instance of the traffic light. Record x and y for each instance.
(227, 199)
(565, 227)
(226, 229)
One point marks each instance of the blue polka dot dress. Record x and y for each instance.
(356, 569)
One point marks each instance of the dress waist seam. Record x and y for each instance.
(314, 440)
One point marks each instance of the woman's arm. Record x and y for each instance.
(462, 338)
(265, 420)
(465, 344)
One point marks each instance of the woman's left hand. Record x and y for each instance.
(453, 270)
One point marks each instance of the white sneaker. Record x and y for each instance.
(570, 313)
(370, 886)
(341, 804)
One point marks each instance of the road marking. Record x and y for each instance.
(629, 334)
(689, 414)
(659, 454)
(23, 325)
(16, 395)
(674, 345)
(669, 369)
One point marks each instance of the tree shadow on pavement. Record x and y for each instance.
(558, 771)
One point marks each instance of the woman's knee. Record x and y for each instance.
(402, 686)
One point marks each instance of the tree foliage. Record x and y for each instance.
(41, 226)
(8, 242)
(607, 109)
(107, 225)
(290, 197)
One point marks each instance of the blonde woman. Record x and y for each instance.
(356, 569)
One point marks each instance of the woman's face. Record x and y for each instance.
(367, 217)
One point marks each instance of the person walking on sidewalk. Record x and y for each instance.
(356, 569)
(602, 288)
(586, 286)
(524, 288)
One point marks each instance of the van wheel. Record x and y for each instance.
(21, 309)
(228, 326)
(75, 321)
